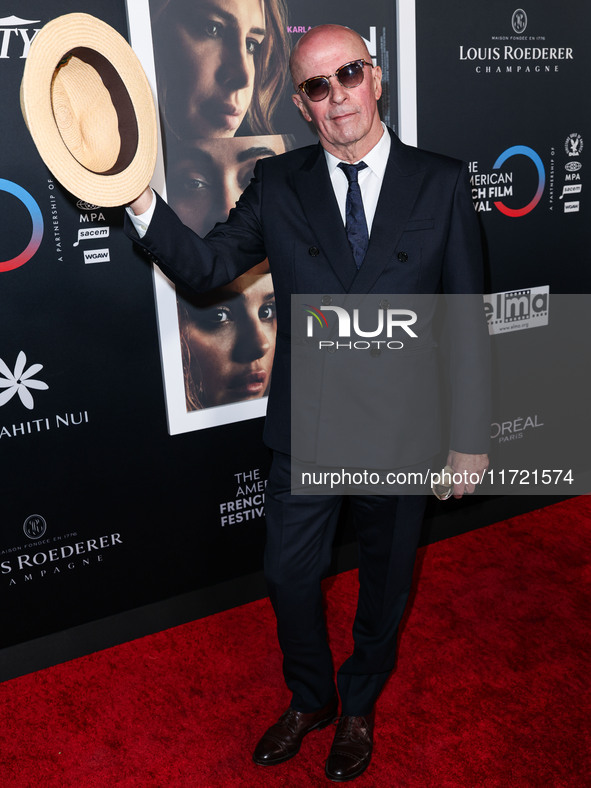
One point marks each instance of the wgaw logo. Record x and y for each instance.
(16, 36)
(517, 309)
(519, 21)
(349, 326)
(20, 381)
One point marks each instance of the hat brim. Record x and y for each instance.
(49, 47)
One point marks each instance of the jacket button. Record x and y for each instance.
(403, 257)
(384, 304)
(313, 251)
(326, 300)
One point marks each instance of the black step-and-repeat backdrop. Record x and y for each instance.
(501, 87)
(132, 466)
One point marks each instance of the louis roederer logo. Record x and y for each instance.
(519, 21)
(20, 381)
(348, 326)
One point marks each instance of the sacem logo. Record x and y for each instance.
(16, 36)
(519, 21)
(20, 381)
(522, 150)
(36, 218)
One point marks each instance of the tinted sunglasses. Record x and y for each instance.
(350, 76)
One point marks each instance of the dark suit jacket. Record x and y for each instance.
(424, 239)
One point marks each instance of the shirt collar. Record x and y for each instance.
(376, 159)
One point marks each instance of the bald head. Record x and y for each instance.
(318, 40)
(346, 118)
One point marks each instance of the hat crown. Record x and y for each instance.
(85, 115)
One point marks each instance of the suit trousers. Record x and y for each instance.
(300, 533)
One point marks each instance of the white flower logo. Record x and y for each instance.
(20, 381)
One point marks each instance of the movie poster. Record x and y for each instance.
(221, 78)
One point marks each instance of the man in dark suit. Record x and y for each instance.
(417, 233)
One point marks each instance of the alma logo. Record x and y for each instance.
(20, 381)
(16, 36)
(517, 309)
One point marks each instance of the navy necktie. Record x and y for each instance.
(356, 226)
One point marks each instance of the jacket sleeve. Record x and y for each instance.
(201, 264)
(468, 339)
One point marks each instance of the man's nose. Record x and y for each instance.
(337, 92)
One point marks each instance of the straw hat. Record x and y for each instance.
(89, 108)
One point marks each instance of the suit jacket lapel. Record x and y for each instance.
(314, 189)
(400, 188)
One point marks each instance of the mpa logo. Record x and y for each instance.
(573, 166)
(16, 36)
(388, 322)
(37, 225)
(519, 21)
(34, 526)
(573, 144)
(20, 381)
(517, 309)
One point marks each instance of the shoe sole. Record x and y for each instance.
(319, 725)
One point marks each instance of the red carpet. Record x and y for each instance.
(491, 688)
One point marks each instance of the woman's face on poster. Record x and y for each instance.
(211, 68)
(205, 178)
(231, 339)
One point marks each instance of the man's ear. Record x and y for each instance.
(297, 100)
(377, 81)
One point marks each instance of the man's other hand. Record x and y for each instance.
(471, 467)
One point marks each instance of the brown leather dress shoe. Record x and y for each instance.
(283, 739)
(350, 753)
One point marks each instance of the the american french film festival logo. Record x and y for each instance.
(516, 310)
(36, 218)
(351, 336)
(489, 187)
